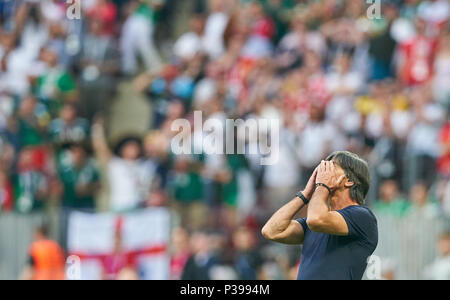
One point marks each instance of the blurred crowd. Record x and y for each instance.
(337, 74)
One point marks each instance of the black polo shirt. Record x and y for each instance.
(332, 257)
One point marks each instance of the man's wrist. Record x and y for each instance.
(324, 187)
(303, 197)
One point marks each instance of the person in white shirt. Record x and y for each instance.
(137, 40)
(440, 268)
(129, 177)
(342, 81)
(422, 142)
(192, 42)
(215, 27)
(317, 139)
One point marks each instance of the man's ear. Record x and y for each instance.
(349, 183)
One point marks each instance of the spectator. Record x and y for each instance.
(382, 46)
(247, 259)
(31, 183)
(56, 85)
(79, 177)
(137, 39)
(158, 162)
(298, 41)
(181, 252)
(318, 138)
(188, 190)
(200, 263)
(192, 42)
(342, 81)
(105, 12)
(128, 178)
(423, 137)
(440, 268)
(69, 128)
(98, 61)
(422, 205)
(215, 27)
(441, 91)
(33, 119)
(390, 202)
(415, 67)
(46, 260)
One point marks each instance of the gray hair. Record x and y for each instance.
(356, 170)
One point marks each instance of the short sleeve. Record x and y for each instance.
(302, 222)
(361, 223)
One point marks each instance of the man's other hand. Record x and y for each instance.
(327, 175)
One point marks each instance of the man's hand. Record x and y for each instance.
(320, 218)
(326, 174)
(311, 185)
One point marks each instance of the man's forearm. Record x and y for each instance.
(318, 206)
(280, 221)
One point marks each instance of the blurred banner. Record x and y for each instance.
(112, 246)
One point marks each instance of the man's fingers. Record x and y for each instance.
(311, 179)
(332, 168)
(314, 174)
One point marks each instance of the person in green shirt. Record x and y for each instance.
(281, 12)
(79, 178)
(56, 86)
(69, 128)
(230, 189)
(30, 182)
(188, 185)
(188, 190)
(390, 202)
(32, 120)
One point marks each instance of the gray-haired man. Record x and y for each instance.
(339, 233)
